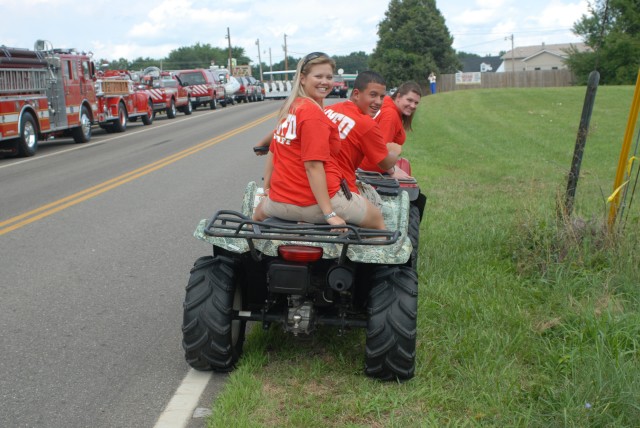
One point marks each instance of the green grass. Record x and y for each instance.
(525, 319)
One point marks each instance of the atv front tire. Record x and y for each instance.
(392, 324)
(212, 339)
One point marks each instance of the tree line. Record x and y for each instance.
(413, 40)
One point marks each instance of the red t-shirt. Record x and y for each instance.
(304, 135)
(360, 137)
(389, 119)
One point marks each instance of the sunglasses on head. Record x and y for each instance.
(311, 57)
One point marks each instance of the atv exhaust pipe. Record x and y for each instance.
(340, 278)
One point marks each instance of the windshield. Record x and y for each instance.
(193, 78)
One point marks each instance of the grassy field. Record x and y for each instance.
(525, 320)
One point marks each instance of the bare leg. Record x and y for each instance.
(258, 212)
(373, 218)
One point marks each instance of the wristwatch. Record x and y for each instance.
(331, 214)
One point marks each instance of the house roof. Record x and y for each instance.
(525, 52)
(472, 64)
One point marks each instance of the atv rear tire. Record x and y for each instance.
(392, 324)
(414, 235)
(212, 339)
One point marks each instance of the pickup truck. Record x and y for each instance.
(166, 92)
(340, 87)
(205, 87)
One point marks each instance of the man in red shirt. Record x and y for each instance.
(361, 137)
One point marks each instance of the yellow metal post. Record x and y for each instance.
(624, 154)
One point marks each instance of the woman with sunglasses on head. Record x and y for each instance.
(394, 120)
(302, 179)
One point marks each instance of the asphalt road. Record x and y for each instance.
(95, 250)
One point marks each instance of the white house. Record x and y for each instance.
(539, 57)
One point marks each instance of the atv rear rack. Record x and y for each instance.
(232, 224)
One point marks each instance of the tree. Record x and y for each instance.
(612, 30)
(202, 56)
(142, 63)
(464, 55)
(413, 41)
(352, 63)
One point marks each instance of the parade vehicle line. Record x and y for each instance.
(49, 209)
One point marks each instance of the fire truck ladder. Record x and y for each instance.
(23, 81)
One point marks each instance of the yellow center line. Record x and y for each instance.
(29, 217)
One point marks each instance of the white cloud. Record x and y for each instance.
(118, 28)
(561, 14)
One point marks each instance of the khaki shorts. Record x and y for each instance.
(350, 210)
(369, 193)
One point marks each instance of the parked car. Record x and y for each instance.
(340, 87)
(245, 90)
(205, 87)
(231, 85)
(256, 92)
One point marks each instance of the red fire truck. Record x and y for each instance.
(44, 92)
(119, 102)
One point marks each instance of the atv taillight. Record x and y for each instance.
(300, 253)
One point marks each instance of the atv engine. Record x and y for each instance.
(300, 317)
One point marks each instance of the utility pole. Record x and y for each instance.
(286, 60)
(228, 36)
(270, 65)
(513, 61)
(259, 59)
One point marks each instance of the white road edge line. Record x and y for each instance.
(180, 409)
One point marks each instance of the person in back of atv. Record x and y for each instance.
(302, 177)
(395, 118)
(360, 135)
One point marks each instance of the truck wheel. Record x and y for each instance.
(147, 119)
(82, 134)
(188, 109)
(414, 235)
(172, 111)
(214, 103)
(212, 339)
(28, 140)
(392, 323)
(120, 124)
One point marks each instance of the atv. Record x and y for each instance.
(301, 276)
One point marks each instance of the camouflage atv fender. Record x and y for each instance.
(395, 211)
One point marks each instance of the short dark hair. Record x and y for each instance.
(363, 79)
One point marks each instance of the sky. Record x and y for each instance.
(128, 29)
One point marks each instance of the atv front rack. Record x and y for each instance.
(232, 224)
